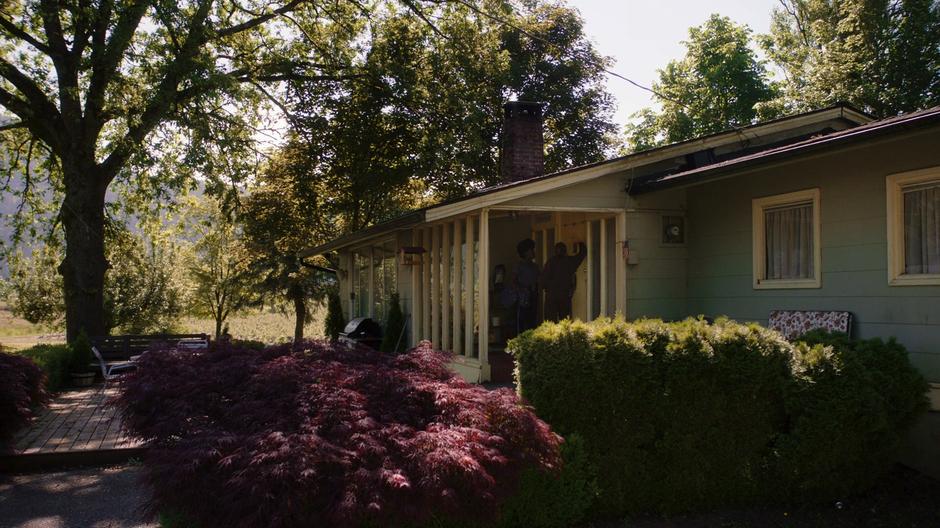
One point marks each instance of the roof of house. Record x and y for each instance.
(866, 129)
(831, 140)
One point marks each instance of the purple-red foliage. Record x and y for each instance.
(327, 435)
(22, 388)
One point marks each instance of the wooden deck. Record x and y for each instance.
(77, 427)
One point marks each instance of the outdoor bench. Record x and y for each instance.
(124, 347)
(794, 323)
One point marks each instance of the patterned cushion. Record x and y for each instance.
(794, 323)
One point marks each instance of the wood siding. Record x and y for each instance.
(854, 246)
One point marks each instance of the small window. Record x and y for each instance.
(914, 227)
(786, 241)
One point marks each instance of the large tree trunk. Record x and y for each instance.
(84, 266)
(300, 312)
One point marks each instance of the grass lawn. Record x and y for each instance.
(903, 499)
(264, 325)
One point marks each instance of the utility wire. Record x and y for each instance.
(561, 51)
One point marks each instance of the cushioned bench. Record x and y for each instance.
(794, 323)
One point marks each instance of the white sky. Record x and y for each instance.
(644, 35)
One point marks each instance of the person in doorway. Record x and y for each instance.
(526, 285)
(558, 280)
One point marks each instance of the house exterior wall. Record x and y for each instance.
(656, 274)
(853, 242)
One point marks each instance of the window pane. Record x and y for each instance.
(922, 230)
(788, 236)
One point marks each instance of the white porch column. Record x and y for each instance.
(426, 280)
(621, 277)
(436, 286)
(589, 245)
(457, 288)
(417, 292)
(445, 286)
(603, 264)
(484, 281)
(371, 310)
(468, 286)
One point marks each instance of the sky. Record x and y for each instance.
(644, 35)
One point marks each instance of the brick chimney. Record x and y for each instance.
(522, 154)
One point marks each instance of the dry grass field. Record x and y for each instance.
(266, 325)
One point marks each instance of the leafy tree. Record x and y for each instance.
(432, 104)
(97, 92)
(282, 216)
(219, 265)
(143, 290)
(719, 84)
(881, 55)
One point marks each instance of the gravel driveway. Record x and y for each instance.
(84, 498)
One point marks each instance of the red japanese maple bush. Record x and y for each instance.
(21, 390)
(327, 435)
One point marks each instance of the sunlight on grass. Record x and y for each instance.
(265, 326)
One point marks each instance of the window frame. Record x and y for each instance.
(894, 191)
(759, 248)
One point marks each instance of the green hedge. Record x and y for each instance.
(54, 360)
(692, 416)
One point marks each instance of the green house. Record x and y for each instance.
(828, 210)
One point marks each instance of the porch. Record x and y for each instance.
(79, 427)
(462, 265)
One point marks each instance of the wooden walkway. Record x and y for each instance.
(75, 427)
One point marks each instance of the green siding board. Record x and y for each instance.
(854, 247)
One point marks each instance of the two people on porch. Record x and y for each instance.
(557, 278)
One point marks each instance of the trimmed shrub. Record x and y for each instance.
(82, 356)
(393, 339)
(558, 502)
(327, 434)
(21, 390)
(335, 322)
(53, 360)
(848, 408)
(693, 416)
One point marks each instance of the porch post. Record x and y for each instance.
(426, 280)
(416, 290)
(445, 286)
(458, 288)
(603, 264)
(371, 310)
(484, 279)
(621, 281)
(589, 244)
(468, 286)
(436, 286)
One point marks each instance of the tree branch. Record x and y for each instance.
(164, 96)
(13, 126)
(106, 57)
(257, 21)
(23, 35)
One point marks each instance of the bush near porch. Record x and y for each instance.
(54, 360)
(328, 435)
(21, 391)
(695, 416)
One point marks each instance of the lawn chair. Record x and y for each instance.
(109, 372)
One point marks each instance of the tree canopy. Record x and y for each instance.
(719, 84)
(880, 55)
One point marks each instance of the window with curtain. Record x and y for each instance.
(786, 240)
(913, 213)
(921, 204)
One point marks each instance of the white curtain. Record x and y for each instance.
(789, 242)
(922, 230)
